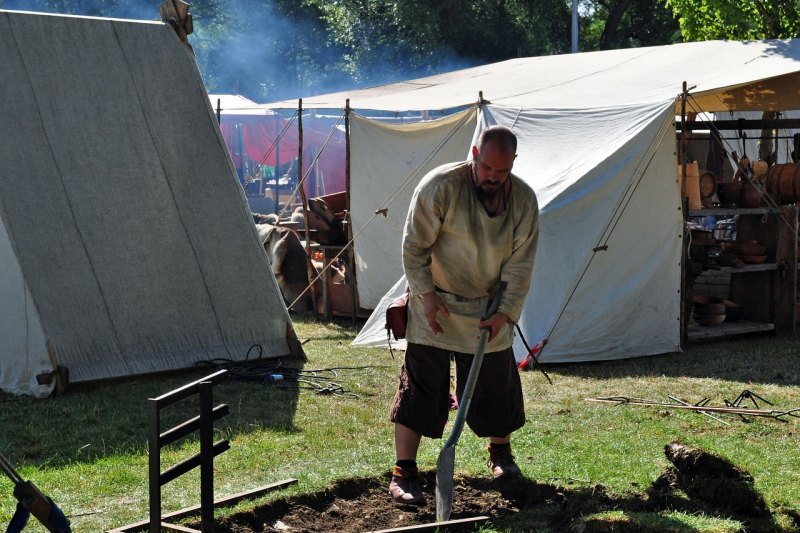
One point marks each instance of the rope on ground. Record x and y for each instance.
(272, 372)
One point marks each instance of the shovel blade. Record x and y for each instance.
(444, 483)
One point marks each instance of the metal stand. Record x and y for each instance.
(208, 449)
(204, 423)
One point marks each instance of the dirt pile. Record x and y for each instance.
(711, 479)
(699, 482)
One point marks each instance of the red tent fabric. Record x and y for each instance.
(268, 138)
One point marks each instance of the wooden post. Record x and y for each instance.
(352, 252)
(684, 287)
(301, 185)
(219, 111)
(786, 276)
(276, 193)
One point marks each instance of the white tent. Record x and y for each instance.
(126, 245)
(597, 143)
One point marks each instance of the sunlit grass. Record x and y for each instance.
(88, 449)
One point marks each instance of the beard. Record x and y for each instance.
(484, 194)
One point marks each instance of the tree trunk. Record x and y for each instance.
(608, 39)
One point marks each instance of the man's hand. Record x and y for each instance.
(434, 304)
(494, 322)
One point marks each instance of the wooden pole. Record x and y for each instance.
(276, 192)
(311, 271)
(684, 288)
(352, 252)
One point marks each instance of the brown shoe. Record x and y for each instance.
(405, 487)
(502, 464)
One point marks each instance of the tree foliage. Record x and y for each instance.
(611, 24)
(737, 19)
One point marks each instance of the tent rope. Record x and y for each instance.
(302, 180)
(382, 207)
(250, 177)
(616, 216)
(516, 118)
(392, 197)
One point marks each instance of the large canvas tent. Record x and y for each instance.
(126, 245)
(597, 143)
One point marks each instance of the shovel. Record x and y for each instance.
(446, 461)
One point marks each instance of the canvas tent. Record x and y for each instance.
(269, 138)
(597, 143)
(126, 245)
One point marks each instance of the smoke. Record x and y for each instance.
(133, 9)
(268, 51)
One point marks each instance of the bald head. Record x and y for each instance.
(501, 136)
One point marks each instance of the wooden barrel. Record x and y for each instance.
(783, 183)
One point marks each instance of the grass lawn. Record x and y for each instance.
(88, 448)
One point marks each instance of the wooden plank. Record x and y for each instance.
(754, 292)
(436, 526)
(729, 211)
(176, 527)
(763, 267)
(227, 501)
(697, 332)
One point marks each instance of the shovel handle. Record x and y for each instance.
(474, 370)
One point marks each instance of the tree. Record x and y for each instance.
(611, 24)
(744, 20)
(737, 19)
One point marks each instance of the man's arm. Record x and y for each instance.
(422, 228)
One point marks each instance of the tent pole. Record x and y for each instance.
(351, 256)
(219, 111)
(276, 193)
(300, 185)
(684, 298)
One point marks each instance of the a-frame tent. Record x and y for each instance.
(126, 245)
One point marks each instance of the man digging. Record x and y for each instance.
(470, 225)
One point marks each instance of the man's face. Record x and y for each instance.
(493, 164)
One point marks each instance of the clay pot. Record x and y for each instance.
(728, 193)
(750, 195)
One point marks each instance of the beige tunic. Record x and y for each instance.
(451, 243)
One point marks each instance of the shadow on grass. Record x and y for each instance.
(363, 504)
(110, 417)
(763, 358)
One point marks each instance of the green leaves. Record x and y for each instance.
(737, 19)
